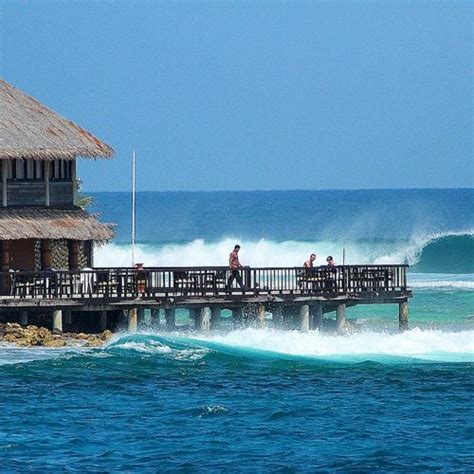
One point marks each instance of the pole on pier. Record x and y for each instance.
(132, 320)
(304, 318)
(403, 315)
(57, 320)
(24, 318)
(170, 318)
(340, 317)
(317, 316)
(103, 321)
(215, 317)
(203, 319)
(261, 316)
(134, 204)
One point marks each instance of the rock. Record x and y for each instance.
(55, 342)
(81, 335)
(32, 328)
(44, 334)
(57, 332)
(106, 335)
(13, 325)
(10, 338)
(93, 341)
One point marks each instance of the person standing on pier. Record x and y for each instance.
(235, 266)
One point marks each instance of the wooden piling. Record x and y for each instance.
(203, 319)
(403, 315)
(57, 320)
(155, 317)
(304, 318)
(24, 318)
(261, 316)
(237, 318)
(317, 318)
(215, 317)
(141, 317)
(68, 317)
(340, 317)
(170, 318)
(132, 320)
(103, 321)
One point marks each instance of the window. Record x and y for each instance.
(19, 169)
(39, 169)
(30, 169)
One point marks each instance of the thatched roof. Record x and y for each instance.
(31, 223)
(28, 129)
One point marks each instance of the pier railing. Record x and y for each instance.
(159, 282)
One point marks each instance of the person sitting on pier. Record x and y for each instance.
(235, 266)
(330, 261)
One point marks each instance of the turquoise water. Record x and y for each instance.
(266, 400)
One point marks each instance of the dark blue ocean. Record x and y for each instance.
(266, 400)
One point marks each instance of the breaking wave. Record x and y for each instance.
(441, 253)
(270, 344)
(422, 345)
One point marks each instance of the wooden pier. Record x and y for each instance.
(295, 297)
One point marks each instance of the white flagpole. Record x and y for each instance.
(134, 218)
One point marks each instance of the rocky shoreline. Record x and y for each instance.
(31, 336)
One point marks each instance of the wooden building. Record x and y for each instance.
(41, 227)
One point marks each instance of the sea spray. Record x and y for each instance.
(265, 252)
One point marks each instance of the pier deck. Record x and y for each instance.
(322, 289)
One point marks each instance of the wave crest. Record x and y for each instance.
(441, 253)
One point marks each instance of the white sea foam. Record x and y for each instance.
(417, 343)
(149, 345)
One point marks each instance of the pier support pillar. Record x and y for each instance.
(155, 317)
(132, 320)
(103, 321)
(304, 318)
(215, 317)
(261, 316)
(203, 319)
(57, 320)
(68, 317)
(403, 315)
(277, 318)
(141, 317)
(317, 316)
(24, 318)
(340, 317)
(238, 318)
(170, 318)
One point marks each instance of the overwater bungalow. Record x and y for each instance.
(41, 227)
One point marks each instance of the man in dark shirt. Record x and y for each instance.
(234, 266)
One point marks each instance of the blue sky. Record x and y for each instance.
(255, 95)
